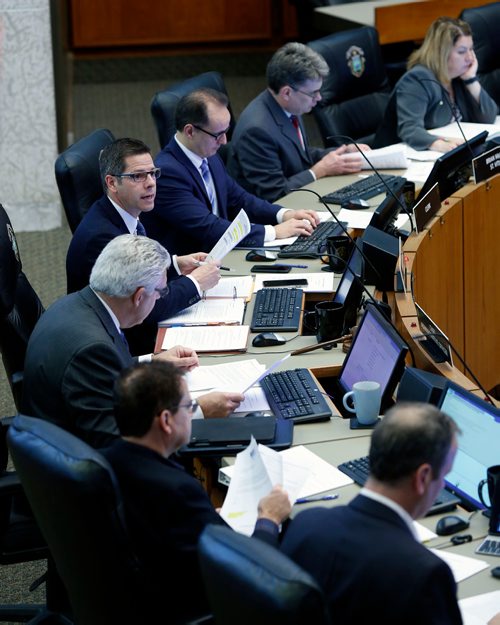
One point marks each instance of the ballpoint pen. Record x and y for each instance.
(200, 263)
(313, 499)
(294, 266)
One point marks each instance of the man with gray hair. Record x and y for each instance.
(77, 348)
(270, 154)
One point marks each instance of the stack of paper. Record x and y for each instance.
(220, 338)
(390, 157)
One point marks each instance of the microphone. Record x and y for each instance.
(466, 367)
(389, 190)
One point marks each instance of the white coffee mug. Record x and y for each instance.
(366, 399)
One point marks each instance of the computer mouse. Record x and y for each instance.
(259, 413)
(451, 524)
(495, 571)
(356, 203)
(260, 255)
(267, 339)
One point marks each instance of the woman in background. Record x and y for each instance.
(440, 86)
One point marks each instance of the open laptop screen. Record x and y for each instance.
(377, 353)
(478, 442)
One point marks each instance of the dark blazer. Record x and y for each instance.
(101, 224)
(166, 510)
(266, 156)
(368, 563)
(420, 102)
(74, 355)
(182, 219)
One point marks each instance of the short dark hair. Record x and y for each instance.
(294, 64)
(142, 391)
(409, 435)
(112, 157)
(192, 108)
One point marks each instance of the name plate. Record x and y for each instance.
(486, 165)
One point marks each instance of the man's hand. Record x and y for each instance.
(311, 216)
(276, 506)
(445, 145)
(292, 228)
(207, 275)
(183, 357)
(219, 404)
(189, 263)
(340, 161)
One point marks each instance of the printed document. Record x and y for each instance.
(209, 312)
(218, 339)
(236, 231)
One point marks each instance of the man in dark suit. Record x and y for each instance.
(270, 154)
(128, 177)
(196, 199)
(166, 509)
(366, 555)
(77, 348)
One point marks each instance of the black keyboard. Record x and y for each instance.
(359, 469)
(313, 245)
(294, 395)
(490, 546)
(434, 350)
(364, 188)
(277, 308)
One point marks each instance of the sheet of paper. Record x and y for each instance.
(316, 282)
(390, 157)
(424, 534)
(219, 339)
(290, 475)
(478, 610)
(270, 369)
(240, 286)
(209, 312)
(461, 566)
(236, 231)
(470, 130)
(423, 155)
(233, 376)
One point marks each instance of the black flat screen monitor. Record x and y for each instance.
(385, 215)
(478, 442)
(350, 289)
(377, 353)
(453, 170)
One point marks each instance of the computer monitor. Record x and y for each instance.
(435, 343)
(478, 442)
(385, 215)
(350, 289)
(377, 353)
(453, 170)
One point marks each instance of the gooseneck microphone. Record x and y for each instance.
(466, 367)
(389, 190)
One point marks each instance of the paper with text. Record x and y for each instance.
(209, 312)
(218, 339)
(228, 288)
(236, 231)
(389, 157)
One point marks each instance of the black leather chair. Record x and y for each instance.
(357, 89)
(484, 21)
(20, 308)
(77, 503)
(78, 177)
(248, 582)
(164, 103)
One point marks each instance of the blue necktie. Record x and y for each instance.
(140, 230)
(207, 179)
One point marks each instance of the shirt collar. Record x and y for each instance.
(130, 220)
(390, 503)
(114, 318)
(194, 158)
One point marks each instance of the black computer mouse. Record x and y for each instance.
(356, 203)
(267, 339)
(260, 256)
(496, 572)
(259, 413)
(451, 524)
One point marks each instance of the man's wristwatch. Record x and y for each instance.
(469, 81)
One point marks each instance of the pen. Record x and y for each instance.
(285, 265)
(313, 499)
(199, 263)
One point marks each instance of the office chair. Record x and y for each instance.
(164, 103)
(357, 89)
(20, 308)
(248, 581)
(484, 21)
(76, 500)
(78, 177)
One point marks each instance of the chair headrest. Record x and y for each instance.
(10, 263)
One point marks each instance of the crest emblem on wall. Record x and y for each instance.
(355, 58)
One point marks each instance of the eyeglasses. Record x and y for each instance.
(313, 95)
(215, 135)
(141, 176)
(163, 292)
(191, 406)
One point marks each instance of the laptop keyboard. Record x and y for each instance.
(359, 469)
(277, 308)
(313, 245)
(364, 188)
(294, 395)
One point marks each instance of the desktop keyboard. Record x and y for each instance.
(433, 349)
(359, 469)
(313, 245)
(294, 395)
(277, 308)
(490, 546)
(364, 188)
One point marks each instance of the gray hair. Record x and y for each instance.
(127, 263)
(293, 64)
(112, 157)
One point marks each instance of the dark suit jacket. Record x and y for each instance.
(74, 355)
(182, 219)
(166, 510)
(266, 156)
(101, 224)
(368, 563)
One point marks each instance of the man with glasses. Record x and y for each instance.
(77, 348)
(270, 155)
(129, 177)
(196, 199)
(166, 509)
